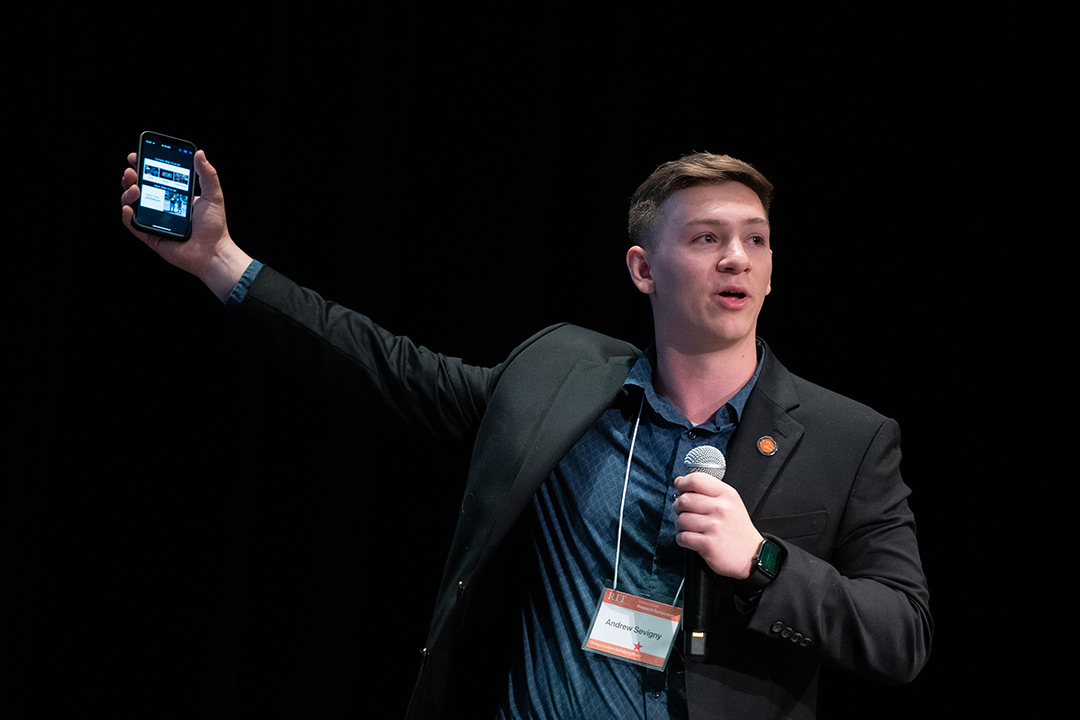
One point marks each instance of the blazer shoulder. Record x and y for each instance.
(573, 343)
(544, 362)
(817, 398)
(808, 402)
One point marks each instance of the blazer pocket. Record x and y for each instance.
(790, 527)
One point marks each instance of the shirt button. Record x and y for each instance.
(692, 435)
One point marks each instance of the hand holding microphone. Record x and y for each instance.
(713, 522)
(712, 519)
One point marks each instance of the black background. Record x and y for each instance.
(191, 529)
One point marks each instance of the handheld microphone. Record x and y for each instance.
(696, 620)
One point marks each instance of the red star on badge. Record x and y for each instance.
(637, 646)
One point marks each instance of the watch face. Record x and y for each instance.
(769, 558)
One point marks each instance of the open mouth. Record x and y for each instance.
(733, 299)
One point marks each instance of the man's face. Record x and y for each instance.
(711, 268)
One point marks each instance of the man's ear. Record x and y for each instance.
(637, 262)
(769, 288)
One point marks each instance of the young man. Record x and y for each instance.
(805, 549)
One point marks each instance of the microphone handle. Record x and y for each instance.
(696, 623)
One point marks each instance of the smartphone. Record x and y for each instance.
(166, 168)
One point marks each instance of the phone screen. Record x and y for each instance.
(166, 169)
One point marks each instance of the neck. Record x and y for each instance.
(699, 383)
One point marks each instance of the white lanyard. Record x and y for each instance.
(622, 504)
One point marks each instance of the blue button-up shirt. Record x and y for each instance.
(574, 523)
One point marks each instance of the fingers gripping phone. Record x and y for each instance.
(166, 170)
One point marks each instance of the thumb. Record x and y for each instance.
(210, 186)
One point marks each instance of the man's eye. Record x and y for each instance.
(707, 238)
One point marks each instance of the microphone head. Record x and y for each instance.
(706, 459)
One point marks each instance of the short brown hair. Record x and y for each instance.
(647, 203)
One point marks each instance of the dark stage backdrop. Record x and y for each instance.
(193, 529)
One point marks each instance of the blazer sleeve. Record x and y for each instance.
(866, 609)
(349, 354)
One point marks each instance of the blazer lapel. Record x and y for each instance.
(766, 435)
(586, 392)
(544, 401)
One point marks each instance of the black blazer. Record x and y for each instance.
(851, 592)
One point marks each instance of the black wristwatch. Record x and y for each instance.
(764, 570)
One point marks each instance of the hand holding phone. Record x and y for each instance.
(207, 249)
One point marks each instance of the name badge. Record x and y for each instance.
(633, 629)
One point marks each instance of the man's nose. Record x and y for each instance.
(734, 258)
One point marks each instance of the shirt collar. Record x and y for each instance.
(641, 376)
